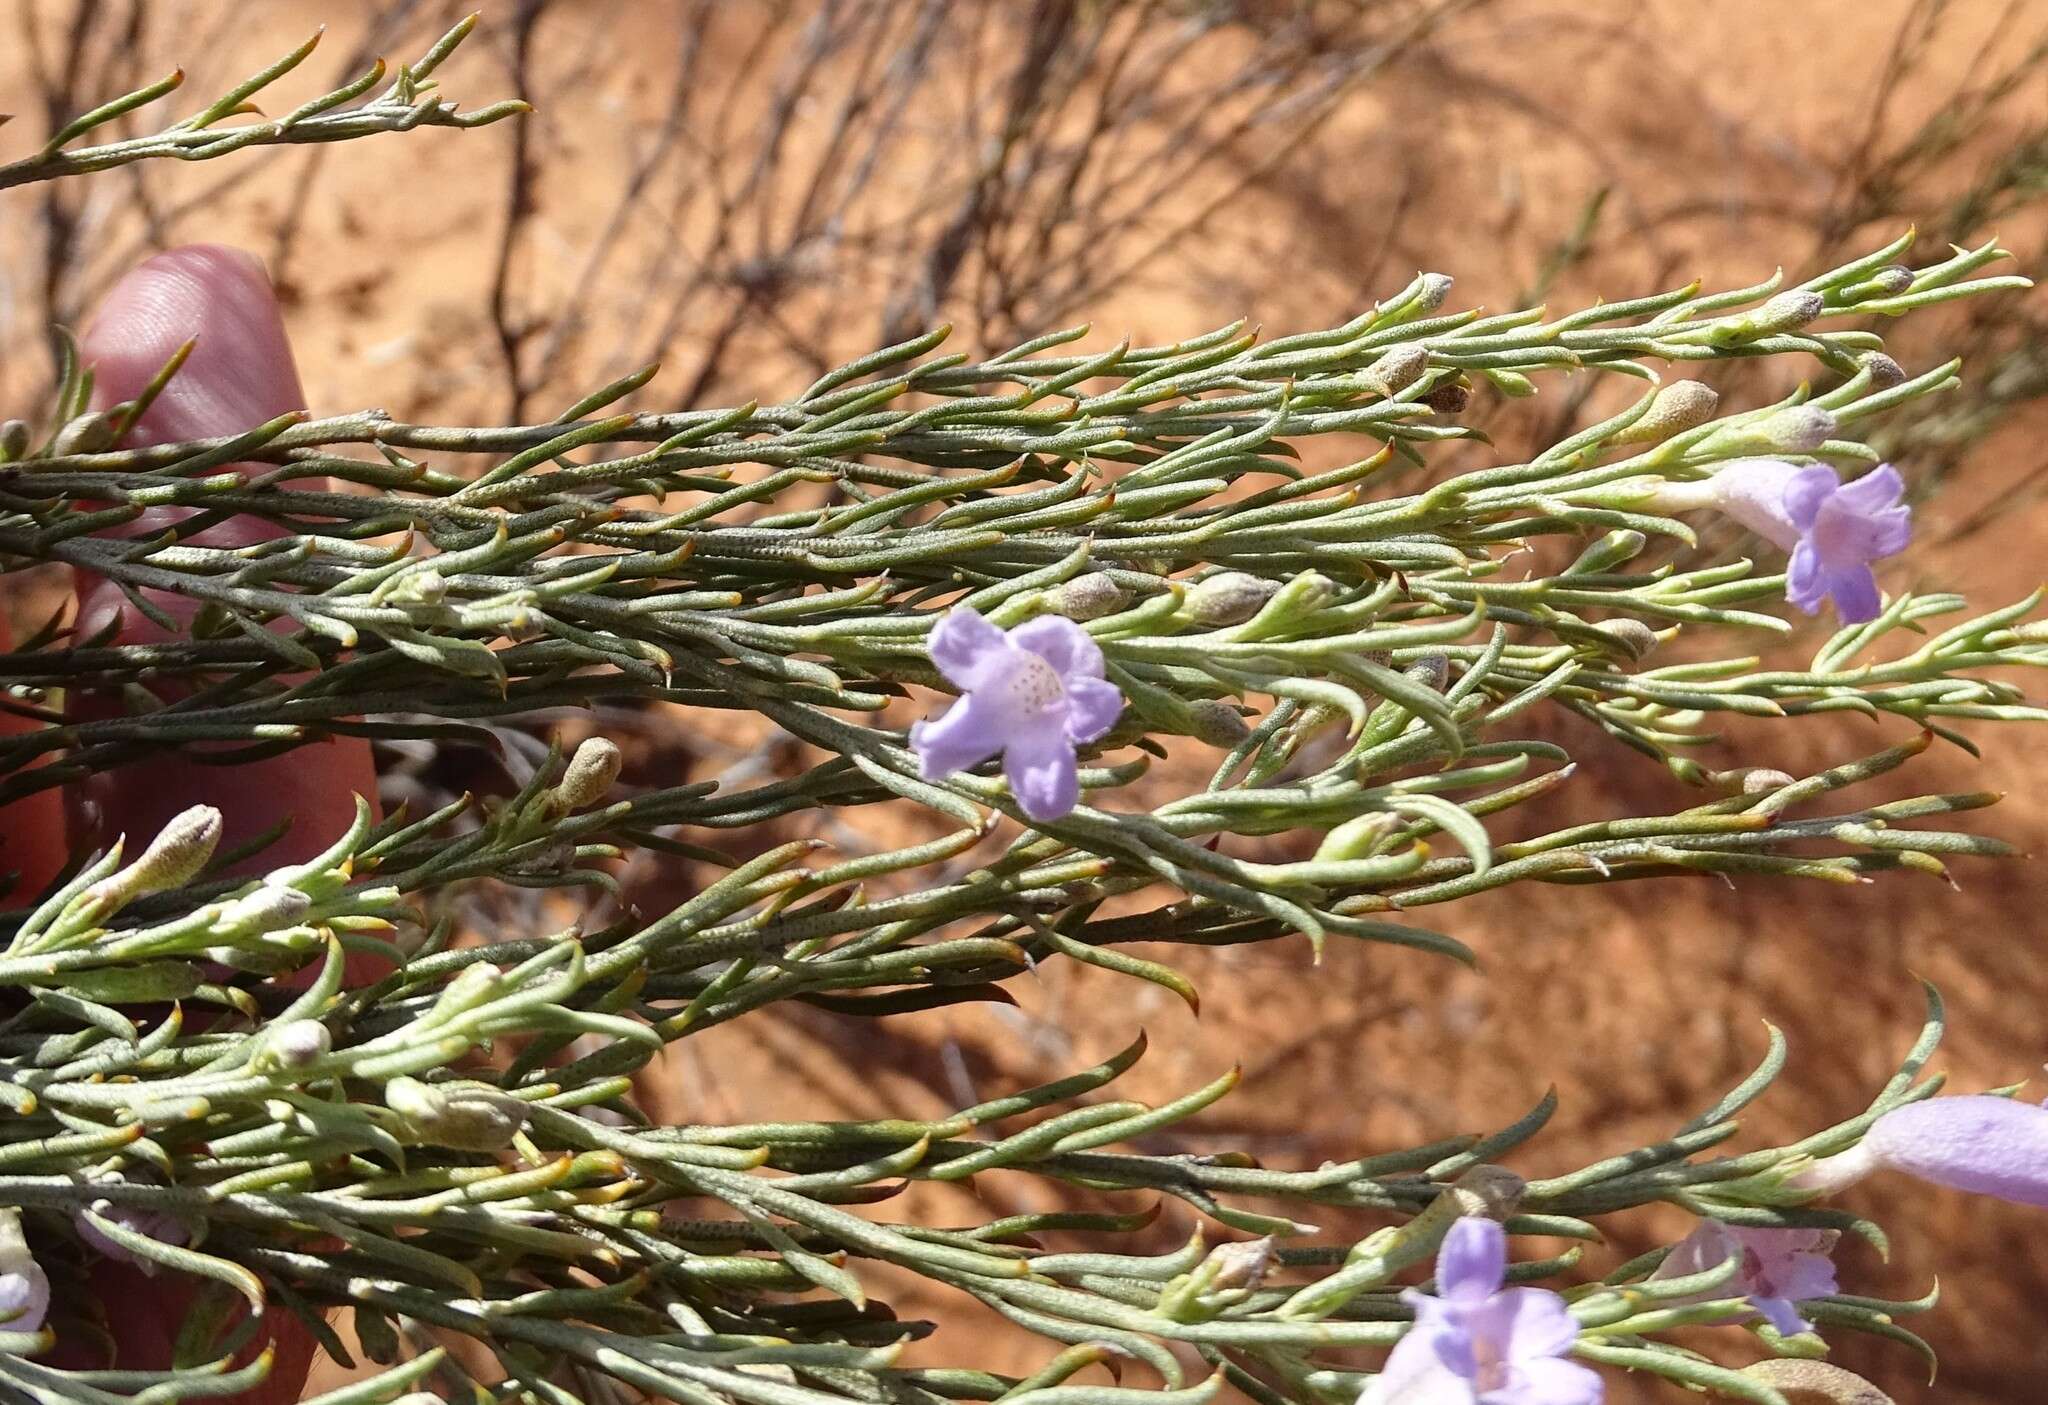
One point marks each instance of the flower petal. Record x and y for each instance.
(1061, 643)
(969, 650)
(1431, 1365)
(1805, 584)
(1780, 1313)
(1473, 1259)
(965, 736)
(1806, 490)
(1550, 1382)
(1752, 491)
(1093, 707)
(1891, 532)
(1993, 1146)
(1532, 1323)
(1042, 773)
(1875, 491)
(1854, 588)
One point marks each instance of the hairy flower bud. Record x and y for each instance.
(460, 1116)
(1632, 634)
(1090, 596)
(1805, 1382)
(1886, 282)
(1229, 597)
(1784, 312)
(1397, 368)
(1762, 780)
(589, 774)
(1679, 406)
(1449, 397)
(1432, 671)
(294, 1044)
(1884, 372)
(1216, 722)
(268, 909)
(1355, 838)
(173, 859)
(88, 434)
(24, 1287)
(1243, 1263)
(13, 440)
(1436, 287)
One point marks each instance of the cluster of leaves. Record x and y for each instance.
(786, 561)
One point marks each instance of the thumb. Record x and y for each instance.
(240, 373)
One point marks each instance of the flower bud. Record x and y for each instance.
(1884, 372)
(1637, 638)
(1806, 1382)
(173, 859)
(1435, 288)
(268, 909)
(1432, 671)
(88, 434)
(1243, 1263)
(1796, 429)
(1355, 838)
(472, 986)
(1229, 597)
(1398, 367)
(13, 440)
(1090, 596)
(1886, 282)
(24, 1287)
(1784, 312)
(1762, 780)
(459, 1116)
(1679, 406)
(590, 773)
(293, 1044)
(1493, 1192)
(1449, 397)
(1217, 723)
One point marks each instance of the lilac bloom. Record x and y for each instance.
(24, 1287)
(1988, 1145)
(162, 1227)
(1779, 1267)
(1477, 1343)
(1030, 695)
(1833, 530)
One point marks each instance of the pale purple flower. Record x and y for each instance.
(1477, 1343)
(1779, 1267)
(1030, 695)
(1988, 1145)
(24, 1287)
(1833, 530)
(162, 1227)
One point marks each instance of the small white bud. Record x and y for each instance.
(1090, 596)
(460, 1116)
(1242, 1264)
(1229, 597)
(293, 1044)
(268, 909)
(1435, 288)
(1762, 780)
(1886, 282)
(88, 434)
(589, 774)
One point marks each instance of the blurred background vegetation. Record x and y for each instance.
(750, 191)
